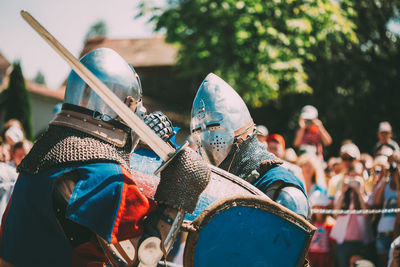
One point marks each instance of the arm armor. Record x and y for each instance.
(294, 199)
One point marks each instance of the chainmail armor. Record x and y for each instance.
(183, 180)
(63, 146)
(249, 158)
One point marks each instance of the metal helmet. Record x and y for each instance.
(220, 119)
(119, 76)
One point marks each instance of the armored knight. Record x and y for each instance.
(224, 134)
(75, 202)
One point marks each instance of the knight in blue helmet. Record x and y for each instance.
(224, 134)
(76, 202)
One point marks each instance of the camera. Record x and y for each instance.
(393, 167)
(309, 122)
(351, 182)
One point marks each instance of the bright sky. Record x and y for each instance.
(69, 22)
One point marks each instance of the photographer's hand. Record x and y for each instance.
(302, 123)
(318, 123)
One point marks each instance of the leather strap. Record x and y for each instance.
(87, 124)
(244, 132)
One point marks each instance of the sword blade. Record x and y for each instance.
(163, 150)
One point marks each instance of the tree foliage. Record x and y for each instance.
(18, 102)
(97, 29)
(39, 78)
(344, 50)
(259, 47)
(355, 86)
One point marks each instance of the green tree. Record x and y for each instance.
(39, 78)
(18, 102)
(97, 29)
(259, 47)
(363, 77)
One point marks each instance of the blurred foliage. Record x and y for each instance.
(18, 102)
(97, 29)
(39, 78)
(259, 47)
(341, 53)
(355, 86)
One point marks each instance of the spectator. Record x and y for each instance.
(333, 168)
(57, 109)
(8, 177)
(394, 253)
(379, 170)
(11, 133)
(4, 153)
(276, 145)
(395, 159)
(358, 259)
(290, 155)
(321, 250)
(367, 161)
(385, 196)
(8, 172)
(385, 137)
(262, 133)
(362, 263)
(12, 123)
(314, 176)
(349, 154)
(18, 152)
(311, 131)
(351, 231)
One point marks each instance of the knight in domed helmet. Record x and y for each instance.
(223, 132)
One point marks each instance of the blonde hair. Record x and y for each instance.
(315, 162)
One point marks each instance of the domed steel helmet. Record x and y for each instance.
(115, 73)
(220, 119)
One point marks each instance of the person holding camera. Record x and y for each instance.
(311, 132)
(352, 231)
(386, 198)
(385, 138)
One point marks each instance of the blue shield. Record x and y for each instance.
(234, 223)
(247, 231)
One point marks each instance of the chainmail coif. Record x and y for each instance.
(64, 146)
(249, 156)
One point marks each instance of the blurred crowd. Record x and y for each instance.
(13, 148)
(350, 182)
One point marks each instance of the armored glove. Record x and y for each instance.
(183, 180)
(160, 124)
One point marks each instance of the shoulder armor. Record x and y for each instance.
(294, 199)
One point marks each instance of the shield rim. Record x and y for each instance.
(259, 202)
(237, 180)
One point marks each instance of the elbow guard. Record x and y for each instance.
(294, 199)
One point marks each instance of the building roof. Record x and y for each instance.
(42, 90)
(4, 65)
(147, 52)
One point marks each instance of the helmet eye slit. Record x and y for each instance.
(213, 125)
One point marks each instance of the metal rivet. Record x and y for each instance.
(99, 125)
(68, 115)
(84, 119)
(141, 189)
(113, 128)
